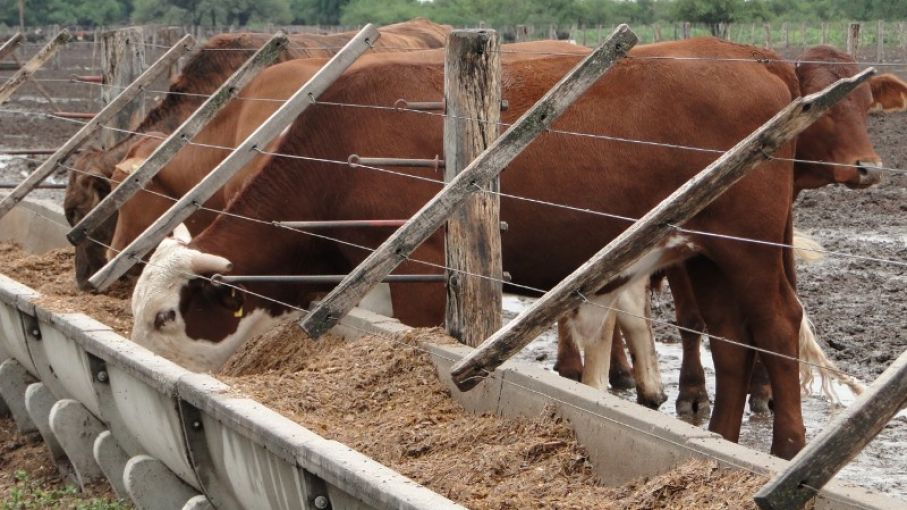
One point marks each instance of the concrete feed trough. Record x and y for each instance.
(182, 439)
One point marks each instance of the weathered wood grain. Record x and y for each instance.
(838, 443)
(480, 172)
(122, 61)
(46, 53)
(270, 129)
(611, 262)
(11, 45)
(127, 95)
(472, 92)
(168, 149)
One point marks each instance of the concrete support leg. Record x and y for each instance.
(199, 502)
(76, 430)
(13, 381)
(39, 401)
(112, 460)
(152, 486)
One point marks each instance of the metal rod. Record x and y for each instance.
(324, 278)
(315, 225)
(21, 152)
(11, 185)
(436, 163)
(433, 106)
(76, 115)
(90, 78)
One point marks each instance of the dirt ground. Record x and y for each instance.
(29, 479)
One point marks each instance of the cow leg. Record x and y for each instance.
(569, 363)
(693, 397)
(732, 363)
(773, 315)
(760, 389)
(621, 374)
(591, 326)
(634, 307)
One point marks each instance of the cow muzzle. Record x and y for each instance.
(869, 173)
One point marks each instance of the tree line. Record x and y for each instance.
(495, 13)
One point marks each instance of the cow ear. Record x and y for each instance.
(181, 234)
(889, 93)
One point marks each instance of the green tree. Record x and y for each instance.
(710, 12)
(359, 12)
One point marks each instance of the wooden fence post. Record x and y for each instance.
(838, 443)
(880, 41)
(33, 64)
(853, 39)
(232, 86)
(127, 95)
(552, 32)
(482, 170)
(686, 29)
(785, 27)
(122, 61)
(824, 39)
(472, 92)
(611, 262)
(216, 178)
(767, 41)
(657, 36)
(803, 35)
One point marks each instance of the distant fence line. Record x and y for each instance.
(887, 38)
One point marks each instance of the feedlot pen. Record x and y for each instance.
(857, 306)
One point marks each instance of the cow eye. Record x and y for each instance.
(163, 317)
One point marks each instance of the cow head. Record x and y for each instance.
(180, 314)
(84, 191)
(841, 135)
(87, 186)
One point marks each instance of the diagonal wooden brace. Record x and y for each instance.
(11, 45)
(35, 63)
(840, 442)
(270, 129)
(168, 149)
(487, 166)
(611, 262)
(128, 94)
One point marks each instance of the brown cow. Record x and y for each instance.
(199, 324)
(203, 73)
(840, 136)
(846, 126)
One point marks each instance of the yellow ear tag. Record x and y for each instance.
(238, 313)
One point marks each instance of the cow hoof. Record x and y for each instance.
(651, 401)
(760, 405)
(622, 382)
(693, 408)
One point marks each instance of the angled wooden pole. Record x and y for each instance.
(472, 93)
(34, 63)
(610, 264)
(270, 129)
(11, 45)
(130, 92)
(838, 443)
(166, 151)
(480, 172)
